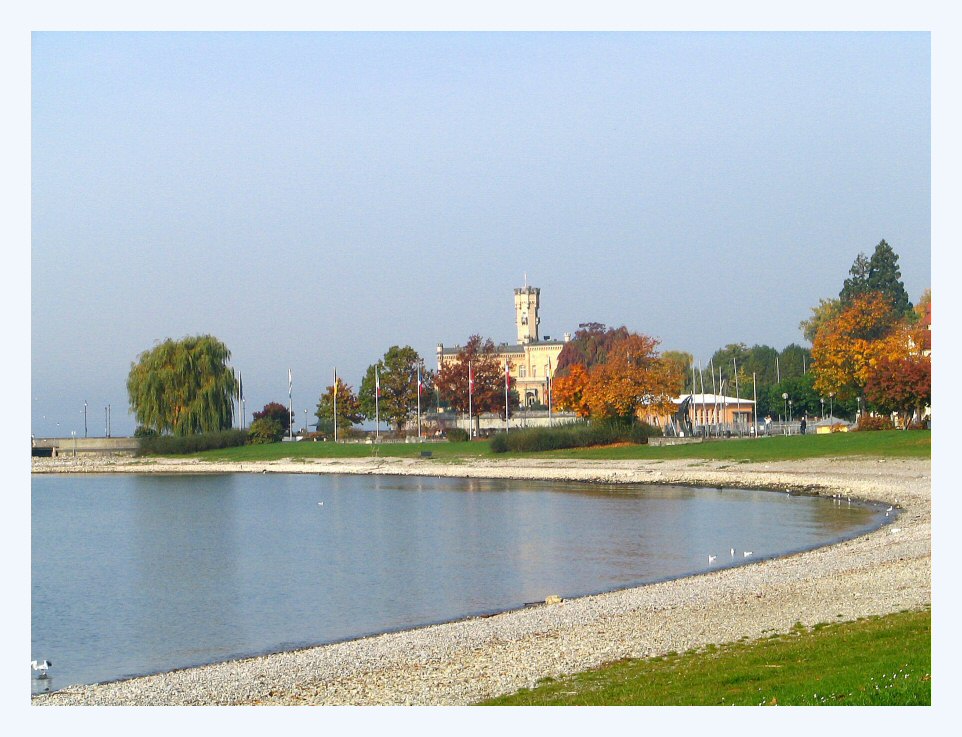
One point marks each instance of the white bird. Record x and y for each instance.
(733, 552)
(889, 509)
(41, 666)
(746, 553)
(320, 504)
(711, 559)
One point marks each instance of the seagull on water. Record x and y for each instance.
(733, 552)
(42, 666)
(746, 554)
(711, 559)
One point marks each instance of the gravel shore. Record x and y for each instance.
(463, 662)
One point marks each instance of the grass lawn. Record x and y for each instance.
(889, 444)
(870, 662)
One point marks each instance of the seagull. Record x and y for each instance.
(320, 504)
(42, 666)
(746, 553)
(889, 509)
(711, 559)
(733, 552)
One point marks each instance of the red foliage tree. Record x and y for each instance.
(488, 395)
(275, 411)
(902, 385)
(589, 346)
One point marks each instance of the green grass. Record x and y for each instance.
(306, 450)
(876, 661)
(887, 444)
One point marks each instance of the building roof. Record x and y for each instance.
(699, 399)
(507, 347)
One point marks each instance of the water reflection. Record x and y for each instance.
(151, 573)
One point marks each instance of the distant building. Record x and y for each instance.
(531, 361)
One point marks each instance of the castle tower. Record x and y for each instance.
(526, 302)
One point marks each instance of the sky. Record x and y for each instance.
(313, 198)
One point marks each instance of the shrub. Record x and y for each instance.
(573, 435)
(874, 422)
(265, 430)
(456, 435)
(181, 444)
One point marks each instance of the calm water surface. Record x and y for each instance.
(140, 574)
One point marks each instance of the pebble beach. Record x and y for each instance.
(462, 662)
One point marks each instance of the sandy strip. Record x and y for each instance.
(462, 662)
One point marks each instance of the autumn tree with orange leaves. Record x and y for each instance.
(568, 392)
(870, 350)
(845, 345)
(633, 379)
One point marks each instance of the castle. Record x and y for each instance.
(532, 361)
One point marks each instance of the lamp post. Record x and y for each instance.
(831, 403)
(85, 418)
(785, 399)
(822, 400)
(305, 420)
(789, 410)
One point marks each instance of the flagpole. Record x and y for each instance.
(737, 396)
(419, 402)
(754, 405)
(470, 408)
(335, 404)
(377, 396)
(701, 383)
(714, 391)
(290, 403)
(506, 394)
(550, 374)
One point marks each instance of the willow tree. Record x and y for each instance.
(183, 387)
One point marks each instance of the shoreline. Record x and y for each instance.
(464, 661)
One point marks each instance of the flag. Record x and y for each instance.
(290, 382)
(377, 382)
(470, 379)
(507, 375)
(420, 381)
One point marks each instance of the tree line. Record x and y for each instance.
(870, 350)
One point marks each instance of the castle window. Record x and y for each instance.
(523, 373)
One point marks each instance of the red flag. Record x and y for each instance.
(507, 375)
(377, 382)
(470, 379)
(420, 382)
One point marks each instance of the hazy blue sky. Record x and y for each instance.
(312, 199)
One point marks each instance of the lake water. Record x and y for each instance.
(137, 574)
